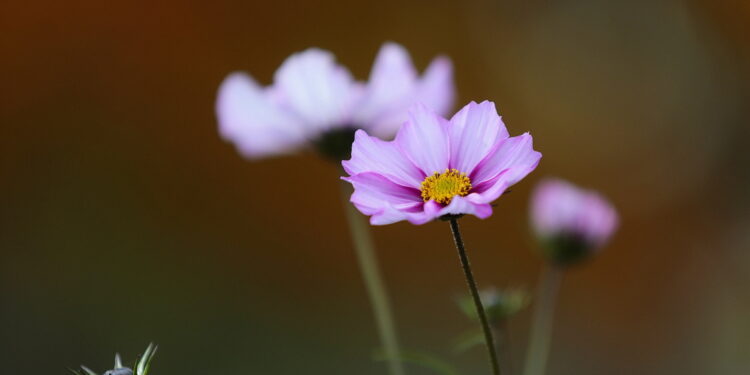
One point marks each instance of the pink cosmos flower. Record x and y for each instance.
(314, 100)
(570, 219)
(437, 167)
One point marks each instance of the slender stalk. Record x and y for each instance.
(502, 335)
(541, 328)
(376, 290)
(486, 329)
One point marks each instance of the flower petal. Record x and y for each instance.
(561, 208)
(468, 205)
(601, 220)
(390, 215)
(474, 131)
(511, 152)
(390, 89)
(436, 89)
(387, 215)
(370, 154)
(424, 139)
(374, 192)
(511, 161)
(426, 214)
(249, 119)
(318, 90)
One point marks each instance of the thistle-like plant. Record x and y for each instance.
(140, 367)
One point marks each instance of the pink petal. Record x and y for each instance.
(390, 214)
(468, 205)
(459, 206)
(424, 140)
(516, 154)
(314, 87)
(370, 154)
(490, 190)
(374, 192)
(474, 131)
(249, 119)
(417, 215)
(387, 215)
(561, 208)
(600, 219)
(426, 215)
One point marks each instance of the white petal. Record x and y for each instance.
(318, 90)
(394, 87)
(250, 120)
(436, 89)
(390, 88)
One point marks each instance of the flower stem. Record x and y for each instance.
(541, 328)
(486, 329)
(376, 290)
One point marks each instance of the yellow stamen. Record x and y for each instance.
(442, 187)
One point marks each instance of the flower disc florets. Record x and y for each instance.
(442, 187)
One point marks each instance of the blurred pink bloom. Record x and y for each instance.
(562, 211)
(312, 96)
(437, 167)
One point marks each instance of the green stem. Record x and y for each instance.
(376, 290)
(486, 329)
(541, 328)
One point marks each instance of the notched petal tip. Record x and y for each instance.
(440, 68)
(315, 53)
(392, 49)
(489, 103)
(235, 84)
(237, 77)
(437, 87)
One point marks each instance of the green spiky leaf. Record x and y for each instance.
(144, 362)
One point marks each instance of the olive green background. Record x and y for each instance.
(124, 218)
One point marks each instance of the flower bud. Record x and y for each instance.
(570, 223)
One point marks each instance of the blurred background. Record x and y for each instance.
(124, 218)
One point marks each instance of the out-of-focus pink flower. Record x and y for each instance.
(437, 167)
(312, 96)
(570, 221)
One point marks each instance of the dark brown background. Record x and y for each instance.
(125, 218)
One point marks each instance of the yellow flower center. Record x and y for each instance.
(442, 187)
